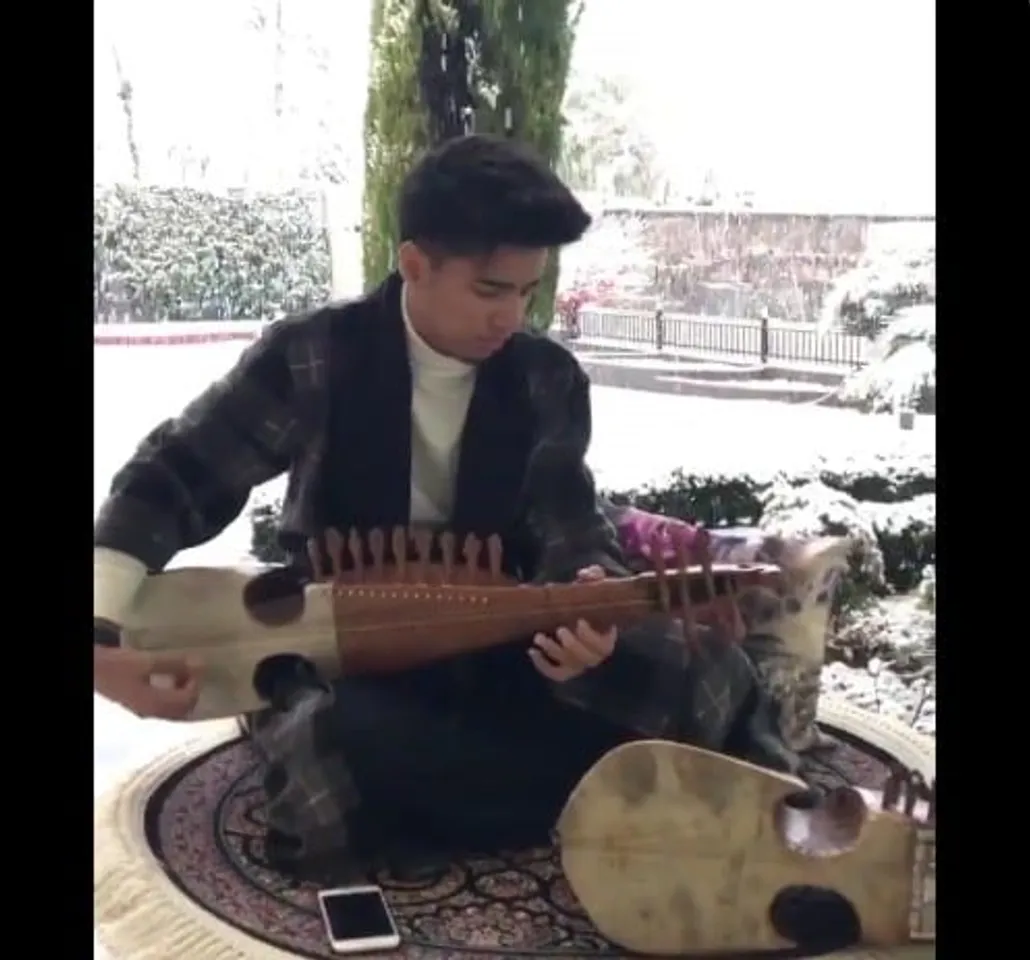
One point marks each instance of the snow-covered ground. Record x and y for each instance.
(637, 437)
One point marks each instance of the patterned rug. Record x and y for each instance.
(204, 824)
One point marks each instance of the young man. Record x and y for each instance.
(424, 403)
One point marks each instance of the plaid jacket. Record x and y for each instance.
(192, 476)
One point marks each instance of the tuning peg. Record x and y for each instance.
(334, 547)
(316, 559)
(423, 540)
(495, 558)
(658, 562)
(447, 551)
(738, 628)
(377, 548)
(704, 558)
(356, 548)
(399, 546)
(470, 554)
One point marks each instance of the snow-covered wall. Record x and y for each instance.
(183, 332)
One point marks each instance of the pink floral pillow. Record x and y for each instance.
(786, 626)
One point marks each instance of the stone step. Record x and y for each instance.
(635, 378)
(712, 370)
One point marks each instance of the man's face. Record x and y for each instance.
(467, 307)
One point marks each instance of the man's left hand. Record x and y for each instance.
(571, 653)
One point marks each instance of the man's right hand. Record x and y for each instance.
(124, 676)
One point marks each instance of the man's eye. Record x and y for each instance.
(489, 293)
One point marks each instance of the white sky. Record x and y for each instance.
(806, 102)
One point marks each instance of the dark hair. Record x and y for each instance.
(476, 193)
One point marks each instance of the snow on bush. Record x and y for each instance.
(907, 534)
(173, 253)
(880, 477)
(883, 657)
(814, 510)
(862, 300)
(897, 519)
(902, 371)
(896, 630)
(732, 496)
(893, 543)
(912, 700)
(882, 652)
(890, 298)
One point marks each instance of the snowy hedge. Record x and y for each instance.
(862, 301)
(902, 370)
(887, 508)
(891, 298)
(719, 500)
(176, 253)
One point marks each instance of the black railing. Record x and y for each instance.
(764, 340)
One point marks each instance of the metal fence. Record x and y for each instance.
(762, 340)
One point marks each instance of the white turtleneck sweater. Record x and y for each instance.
(441, 391)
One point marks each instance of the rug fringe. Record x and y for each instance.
(140, 914)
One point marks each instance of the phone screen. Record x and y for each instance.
(357, 915)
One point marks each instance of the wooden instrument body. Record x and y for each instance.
(676, 850)
(394, 622)
(200, 613)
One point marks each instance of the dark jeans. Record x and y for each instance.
(482, 768)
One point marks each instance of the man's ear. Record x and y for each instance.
(412, 262)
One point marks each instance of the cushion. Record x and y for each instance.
(786, 626)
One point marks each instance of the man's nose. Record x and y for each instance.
(508, 318)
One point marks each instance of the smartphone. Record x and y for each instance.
(358, 920)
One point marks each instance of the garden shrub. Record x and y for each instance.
(886, 506)
(264, 530)
(897, 631)
(864, 300)
(718, 500)
(902, 370)
(175, 253)
(881, 478)
(891, 299)
(815, 510)
(907, 534)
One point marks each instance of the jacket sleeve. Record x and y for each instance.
(192, 475)
(567, 528)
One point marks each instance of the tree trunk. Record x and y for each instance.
(125, 95)
(441, 68)
(395, 129)
(280, 55)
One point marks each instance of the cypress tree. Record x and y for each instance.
(395, 129)
(441, 68)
